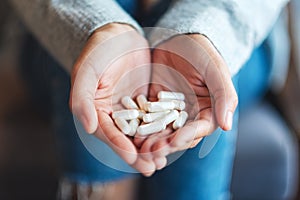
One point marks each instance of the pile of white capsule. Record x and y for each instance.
(144, 118)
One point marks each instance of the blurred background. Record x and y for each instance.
(28, 162)
(266, 166)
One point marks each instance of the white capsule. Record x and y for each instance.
(147, 129)
(141, 114)
(159, 106)
(179, 105)
(123, 125)
(171, 95)
(141, 100)
(180, 121)
(129, 103)
(150, 117)
(134, 123)
(125, 114)
(170, 117)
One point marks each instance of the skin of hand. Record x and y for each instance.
(101, 77)
(192, 65)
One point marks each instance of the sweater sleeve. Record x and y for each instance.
(235, 27)
(63, 26)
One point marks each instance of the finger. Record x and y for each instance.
(202, 126)
(138, 141)
(160, 162)
(190, 145)
(221, 88)
(122, 145)
(195, 143)
(224, 98)
(84, 85)
(165, 147)
(161, 147)
(184, 137)
(111, 135)
(146, 149)
(147, 168)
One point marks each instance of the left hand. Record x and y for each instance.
(192, 65)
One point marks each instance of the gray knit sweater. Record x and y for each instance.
(235, 27)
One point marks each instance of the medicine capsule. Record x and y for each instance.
(134, 123)
(179, 105)
(180, 121)
(171, 95)
(129, 103)
(141, 114)
(141, 100)
(150, 117)
(125, 114)
(170, 117)
(123, 125)
(159, 106)
(147, 129)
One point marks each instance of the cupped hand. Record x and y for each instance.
(192, 65)
(114, 63)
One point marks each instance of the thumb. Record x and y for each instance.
(218, 80)
(84, 85)
(224, 97)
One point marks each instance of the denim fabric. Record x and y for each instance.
(255, 77)
(189, 177)
(130, 6)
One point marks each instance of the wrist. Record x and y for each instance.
(111, 30)
(114, 28)
(207, 44)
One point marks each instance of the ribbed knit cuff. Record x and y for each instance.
(228, 34)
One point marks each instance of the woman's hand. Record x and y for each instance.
(191, 64)
(114, 63)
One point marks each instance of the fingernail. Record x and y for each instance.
(229, 120)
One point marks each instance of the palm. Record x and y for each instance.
(191, 64)
(125, 76)
(171, 72)
(108, 70)
(129, 75)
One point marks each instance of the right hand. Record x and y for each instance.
(100, 78)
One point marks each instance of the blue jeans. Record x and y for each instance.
(189, 177)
